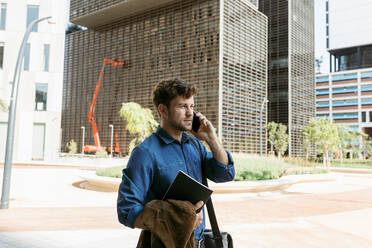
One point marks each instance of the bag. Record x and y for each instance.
(213, 238)
(211, 242)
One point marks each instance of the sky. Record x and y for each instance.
(320, 37)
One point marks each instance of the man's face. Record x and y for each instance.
(180, 113)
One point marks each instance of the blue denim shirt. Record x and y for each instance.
(154, 164)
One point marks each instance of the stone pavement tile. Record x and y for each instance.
(272, 209)
(53, 188)
(298, 233)
(48, 219)
(112, 238)
(357, 222)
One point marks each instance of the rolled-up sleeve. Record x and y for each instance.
(216, 171)
(136, 180)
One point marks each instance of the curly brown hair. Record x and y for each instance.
(167, 90)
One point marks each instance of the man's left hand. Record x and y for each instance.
(207, 133)
(206, 130)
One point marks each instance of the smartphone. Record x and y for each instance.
(195, 123)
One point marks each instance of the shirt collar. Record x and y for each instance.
(167, 138)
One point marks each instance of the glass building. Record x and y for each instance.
(220, 46)
(291, 73)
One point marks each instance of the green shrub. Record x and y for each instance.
(101, 153)
(72, 147)
(353, 163)
(111, 172)
(300, 162)
(247, 169)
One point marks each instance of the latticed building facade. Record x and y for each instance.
(291, 87)
(220, 47)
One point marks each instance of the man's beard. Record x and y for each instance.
(178, 126)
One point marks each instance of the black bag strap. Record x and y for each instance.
(210, 208)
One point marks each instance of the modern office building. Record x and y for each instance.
(291, 87)
(39, 104)
(220, 46)
(344, 94)
(346, 97)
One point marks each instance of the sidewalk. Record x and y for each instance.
(86, 161)
(46, 210)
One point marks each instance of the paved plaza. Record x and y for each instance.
(47, 210)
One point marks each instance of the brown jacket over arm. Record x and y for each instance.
(170, 222)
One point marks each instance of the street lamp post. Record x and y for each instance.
(112, 138)
(83, 142)
(11, 117)
(261, 110)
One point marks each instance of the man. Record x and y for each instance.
(155, 162)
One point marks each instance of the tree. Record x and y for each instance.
(72, 147)
(318, 64)
(140, 122)
(355, 141)
(278, 137)
(281, 140)
(271, 130)
(306, 141)
(366, 148)
(325, 135)
(3, 106)
(344, 139)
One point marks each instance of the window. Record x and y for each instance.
(327, 30)
(41, 92)
(367, 74)
(347, 59)
(345, 116)
(279, 63)
(343, 103)
(26, 64)
(322, 92)
(323, 79)
(345, 90)
(2, 16)
(32, 14)
(343, 77)
(322, 104)
(327, 18)
(327, 43)
(46, 57)
(210, 11)
(370, 116)
(1, 54)
(367, 87)
(322, 116)
(366, 101)
(366, 56)
(327, 7)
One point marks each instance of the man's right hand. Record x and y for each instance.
(199, 216)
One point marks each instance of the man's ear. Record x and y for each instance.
(163, 110)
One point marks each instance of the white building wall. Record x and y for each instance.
(350, 23)
(12, 36)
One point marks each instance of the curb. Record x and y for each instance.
(351, 170)
(109, 184)
(73, 162)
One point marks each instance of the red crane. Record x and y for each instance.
(117, 149)
(97, 147)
